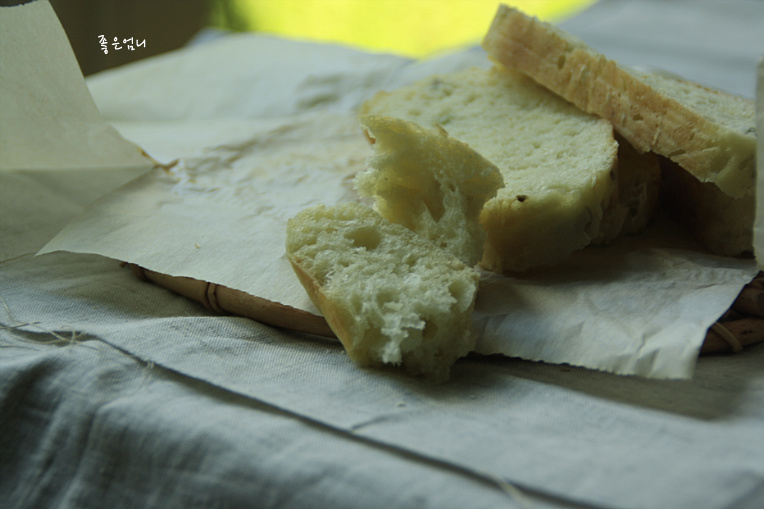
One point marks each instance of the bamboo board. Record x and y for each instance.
(741, 326)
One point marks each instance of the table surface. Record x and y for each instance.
(117, 393)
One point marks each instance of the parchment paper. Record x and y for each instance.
(49, 120)
(640, 306)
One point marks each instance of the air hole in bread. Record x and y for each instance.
(561, 61)
(367, 238)
(435, 206)
(460, 292)
(442, 87)
(385, 296)
(443, 120)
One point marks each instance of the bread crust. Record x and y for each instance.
(389, 295)
(338, 321)
(649, 119)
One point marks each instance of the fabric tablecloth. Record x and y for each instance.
(117, 393)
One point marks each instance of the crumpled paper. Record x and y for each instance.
(639, 306)
(221, 216)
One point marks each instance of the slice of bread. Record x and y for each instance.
(709, 133)
(430, 183)
(559, 164)
(722, 223)
(638, 193)
(389, 295)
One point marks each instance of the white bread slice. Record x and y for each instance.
(558, 163)
(430, 183)
(709, 133)
(389, 295)
(639, 184)
(721, 223)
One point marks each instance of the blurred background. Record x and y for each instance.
(415, 28)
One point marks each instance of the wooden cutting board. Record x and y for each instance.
(741, 326)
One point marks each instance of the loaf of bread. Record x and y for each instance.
(558, 163)
(708, 133)
(429, 182)
(390, 296)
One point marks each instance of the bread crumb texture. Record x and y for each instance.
(710, 134)
(429, 182)
(558, 163)
(390, 296)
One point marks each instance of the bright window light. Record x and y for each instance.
(415, 28)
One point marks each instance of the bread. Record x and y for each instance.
(558, 163)
(389, 295)
(638, 193)
(430, 183)
(720, 222)
(708, 133)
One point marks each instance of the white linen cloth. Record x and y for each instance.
(117, 393)
(115, 390)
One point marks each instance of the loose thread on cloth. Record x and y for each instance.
(18, 324)
(75, 338)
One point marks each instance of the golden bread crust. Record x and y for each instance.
(637, 105)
